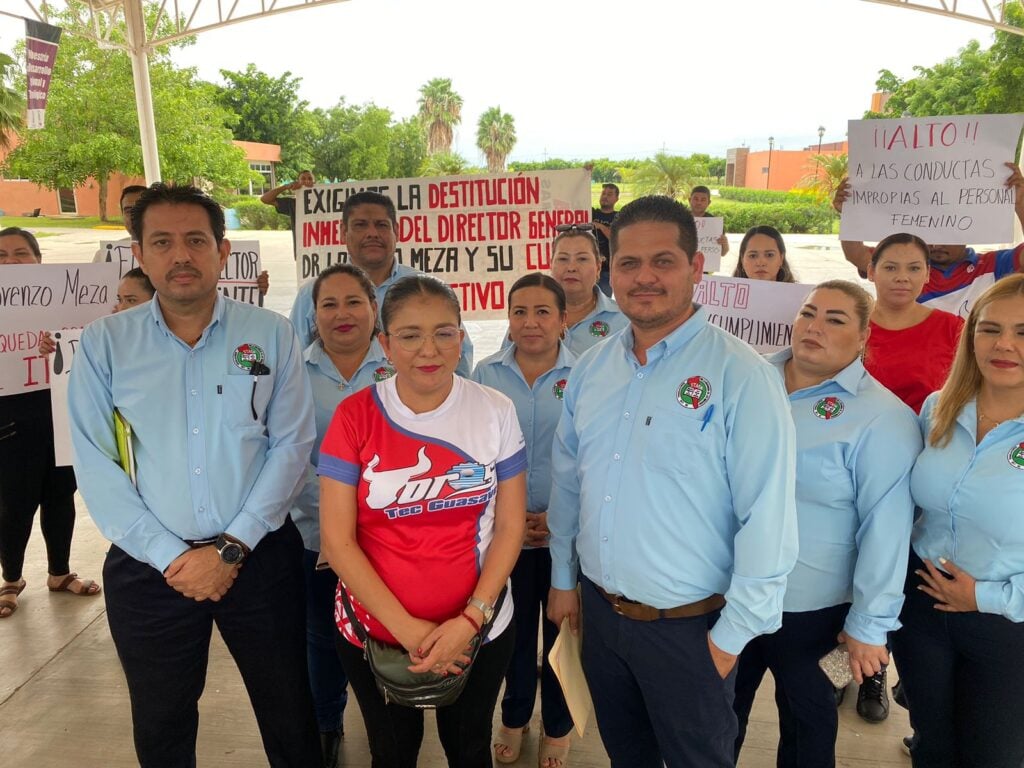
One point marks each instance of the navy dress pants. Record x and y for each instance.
(163, 641)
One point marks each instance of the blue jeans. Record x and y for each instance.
(531, 580)
(326, 676)
(808, 721)
(657, 694)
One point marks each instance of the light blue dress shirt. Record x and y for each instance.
(205, 464)
(604, 320)
(855, 446)
(674, 480)
(538, 408)
(971, 498)
(303, 314)
(329, 389)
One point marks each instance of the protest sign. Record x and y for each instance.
(477, 233)
(760, 312)
(36, 297)
(237, 279)
(60, 373)
(941, 178)
(709, 229)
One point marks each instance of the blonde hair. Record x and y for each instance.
(964, 378)
(862, 301)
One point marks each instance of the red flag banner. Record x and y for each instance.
(41, 52)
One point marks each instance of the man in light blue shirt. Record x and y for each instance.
(194, 488)
(673, 486)
(371, 225)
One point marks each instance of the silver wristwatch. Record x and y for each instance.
(484, 608)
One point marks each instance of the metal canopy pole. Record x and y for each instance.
(135, 25)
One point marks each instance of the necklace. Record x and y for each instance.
(989, 419)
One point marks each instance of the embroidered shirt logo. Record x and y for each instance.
(383, 373)
(829, 408)
(245, 355)
(1016, 457)
(599, 328)
(559, 389)
(694, 392)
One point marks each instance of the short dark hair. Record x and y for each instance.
(899, 238)
(185, 194)
(369, 198)
(785, 273)
(700, 189)
(658, 208)
(142, 277)
(417, 285)
(28, 237)
(131, 189)
(538, 280)
(609, 185)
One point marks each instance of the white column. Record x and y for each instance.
(136, 29)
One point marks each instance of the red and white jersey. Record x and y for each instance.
(426, 486)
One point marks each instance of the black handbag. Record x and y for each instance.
(390, 667)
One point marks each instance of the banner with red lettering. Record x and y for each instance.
(40, 297)
(477, 233)
(761, 312)
(940, 178)
(41, 42)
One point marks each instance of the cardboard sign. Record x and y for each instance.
(760, 312)
(237, 280)
(941, 178)
(709, 230)
(37, 297)
(60, 374)
(477, 233)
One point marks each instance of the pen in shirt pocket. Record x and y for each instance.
(707, 417)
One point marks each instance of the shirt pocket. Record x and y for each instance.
(245, 399)
(683, 441)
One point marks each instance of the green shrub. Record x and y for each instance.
(745, 195)
(788, 218)
(252, 214)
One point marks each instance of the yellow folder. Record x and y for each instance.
(567, 665)
(125, 449)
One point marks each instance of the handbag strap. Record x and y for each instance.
(357, 626)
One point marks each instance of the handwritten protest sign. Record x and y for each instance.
(237, 280)
(709, 229)
(477, 233)
(758, 311)
(941, 178)
(60, 373)
(36, 297)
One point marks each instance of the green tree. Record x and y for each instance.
(440, 112)
(665, 174)
(444, 164)
(1004, 91)
(363, 142)
(496, 136)
(12, 104)
(92, 126)
(268, 110)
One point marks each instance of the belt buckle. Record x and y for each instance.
(617, 606)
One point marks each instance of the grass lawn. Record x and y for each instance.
(64, 222)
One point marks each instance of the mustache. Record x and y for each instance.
(184, 271)
(646, 289)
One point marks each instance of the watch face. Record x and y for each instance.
(231, 553)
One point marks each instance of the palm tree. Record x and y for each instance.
(827, 174)
(666, 174)
(440, 112)
(12, 105)
(495, 136)
(444, 164)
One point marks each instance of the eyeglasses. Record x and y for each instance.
(412, 341)
(560, 228)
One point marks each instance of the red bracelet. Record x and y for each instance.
(471, 620)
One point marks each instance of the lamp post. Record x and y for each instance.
(817, 159)
(771, 146)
